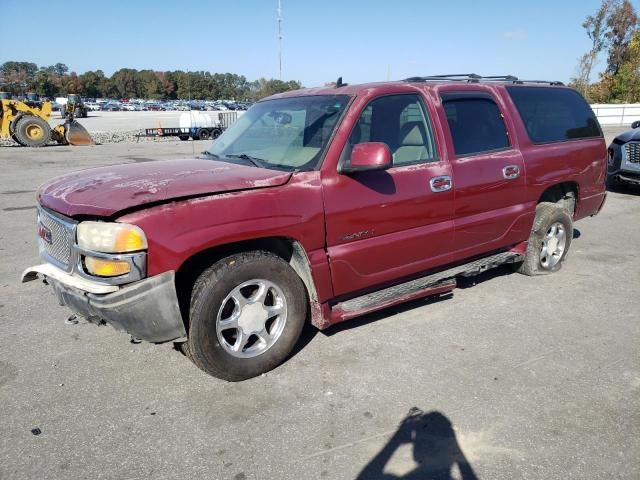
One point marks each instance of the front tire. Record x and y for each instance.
(32, 131)
(549, 241)
(247, 313)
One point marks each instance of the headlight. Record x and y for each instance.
(110, 237)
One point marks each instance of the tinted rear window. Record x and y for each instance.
(554, 114)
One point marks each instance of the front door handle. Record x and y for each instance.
(511, 172)
(440, 184)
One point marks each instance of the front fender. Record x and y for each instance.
(176, 231)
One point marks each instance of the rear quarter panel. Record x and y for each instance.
(581, 161)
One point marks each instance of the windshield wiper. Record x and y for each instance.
(209, 154)
(258, 162)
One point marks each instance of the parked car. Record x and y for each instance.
(155, 107)
(624, 157)
(322, 205)
(111, 107)
(93, 106)
(129, 107)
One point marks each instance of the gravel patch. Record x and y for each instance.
(126, 136)
(105, 137)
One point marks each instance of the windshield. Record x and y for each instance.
(288, 133)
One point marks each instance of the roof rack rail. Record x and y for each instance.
(475, 78)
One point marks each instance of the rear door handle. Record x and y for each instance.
(511, 172)
(440, 184)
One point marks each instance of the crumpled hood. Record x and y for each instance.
(633, 134)
(104, 191)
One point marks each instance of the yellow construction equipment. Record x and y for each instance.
(26, 122)
(74, 106)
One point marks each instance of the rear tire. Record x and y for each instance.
(32, 131)
(12, 128)
(184, 138)
(203, 134)
(247, 313)
(549, 241)
(14, 138)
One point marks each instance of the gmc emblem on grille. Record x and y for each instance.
(44, 233)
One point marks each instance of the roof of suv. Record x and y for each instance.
(464, 81)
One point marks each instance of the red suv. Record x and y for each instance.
(322, 205)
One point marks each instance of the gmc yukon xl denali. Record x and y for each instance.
(320, 205)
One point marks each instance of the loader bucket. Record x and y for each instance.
(76, 134)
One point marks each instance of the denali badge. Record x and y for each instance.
(353, 236)
(44, 233)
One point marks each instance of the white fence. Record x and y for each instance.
(617, 114)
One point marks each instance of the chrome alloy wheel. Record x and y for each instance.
(251, 318)
(553, 245)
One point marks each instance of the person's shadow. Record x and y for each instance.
(435, 450)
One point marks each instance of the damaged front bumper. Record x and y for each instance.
(632, 178)
(624, 164)
(147, 309)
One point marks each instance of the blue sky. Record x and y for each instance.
(359, 40)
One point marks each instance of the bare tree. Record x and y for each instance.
(622, 24)
(579, 82)
(596, 27)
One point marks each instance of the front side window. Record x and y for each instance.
(288, 133)
(552, 114)
(401, 122)
(476, 124)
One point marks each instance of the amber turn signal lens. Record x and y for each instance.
(106, 268)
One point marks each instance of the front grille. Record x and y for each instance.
(632, 149)
(57, 248)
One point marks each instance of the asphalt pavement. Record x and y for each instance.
(509, 377)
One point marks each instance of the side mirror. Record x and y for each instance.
(635, 124)
(367, 157)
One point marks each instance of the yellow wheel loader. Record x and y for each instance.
(74, 106)
(27, 124)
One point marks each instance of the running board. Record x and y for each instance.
(434, 284)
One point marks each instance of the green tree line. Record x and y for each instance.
(612, 31)
(18, 78)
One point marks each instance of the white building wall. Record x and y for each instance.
(617, 114)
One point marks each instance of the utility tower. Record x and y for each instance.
(280, 37)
